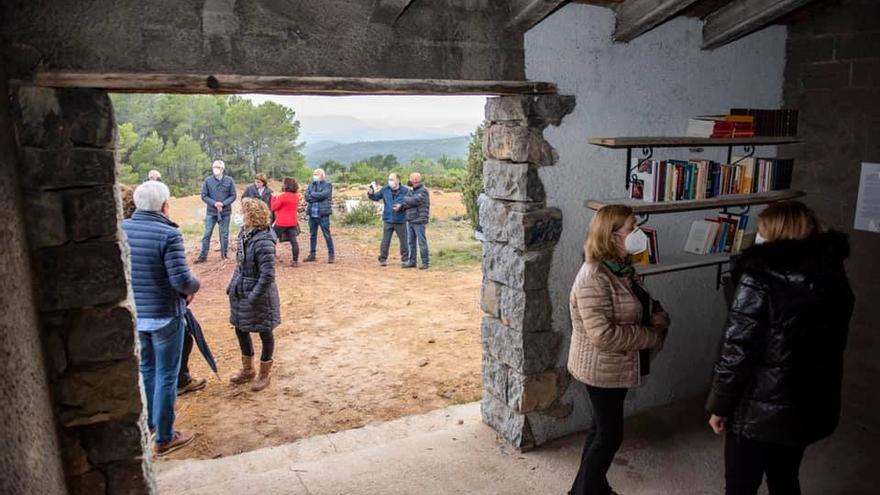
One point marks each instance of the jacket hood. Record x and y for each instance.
(789, 257)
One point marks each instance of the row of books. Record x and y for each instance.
(678, 180)
(745, 123)
(780, 122)
(721, 126)
(723, 234)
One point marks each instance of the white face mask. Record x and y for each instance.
(636, 241)
(392, 184)
(759, 239)
(317, 178)
(218, 172)
(238, 219)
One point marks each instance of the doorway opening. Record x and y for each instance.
(358, 342)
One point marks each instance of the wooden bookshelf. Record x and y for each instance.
(645, 207)
(684, 261)
(689, 142)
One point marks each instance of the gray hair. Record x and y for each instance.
(154, 175)
(150, 196)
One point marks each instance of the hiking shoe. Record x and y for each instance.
(408, 265)
(294, 263)
(192, 386)
(200, 260)
(179, 440)
(424, 267)
(310, 258)
(331, 260)
(383, 263)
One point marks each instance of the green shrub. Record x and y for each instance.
(473, 183)
(460, 256)
(366, 213)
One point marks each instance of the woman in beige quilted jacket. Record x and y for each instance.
(614, 325)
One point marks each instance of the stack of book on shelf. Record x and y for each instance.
(723, 234)
(652, 255)
(721, 126)
(677, 180)
(780, 122)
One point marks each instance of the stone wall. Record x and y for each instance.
(66, 172)
(521, 379)
(832, 76)
(29, 460)
(648, 87)
(433, 39)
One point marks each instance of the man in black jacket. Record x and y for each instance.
(417, 205)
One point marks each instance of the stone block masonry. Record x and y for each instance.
(66, 164)
(520, 348)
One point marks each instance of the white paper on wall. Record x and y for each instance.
(868, 204)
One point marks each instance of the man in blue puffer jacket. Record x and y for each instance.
(394, 221)
(319, 197)
(162, 286)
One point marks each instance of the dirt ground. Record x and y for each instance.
(358, 343)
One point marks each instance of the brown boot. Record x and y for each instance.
(246, 373)
(262, 380)
(178, 440)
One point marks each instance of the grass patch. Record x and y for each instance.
(458, 256)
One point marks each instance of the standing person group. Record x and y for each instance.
(777, 381)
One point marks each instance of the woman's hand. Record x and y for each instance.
(718, 424)
(660, 320)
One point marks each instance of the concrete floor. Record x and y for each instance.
(666, 451)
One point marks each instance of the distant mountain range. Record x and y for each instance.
(405, 150)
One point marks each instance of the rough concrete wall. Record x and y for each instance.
(29, 460)
(645, 88)
(833, 76)
(66, 172)
(452, 39)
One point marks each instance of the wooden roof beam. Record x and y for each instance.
(743, 17)
(636, 17)
(524, 14)
(388, 11)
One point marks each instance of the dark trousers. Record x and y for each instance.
(247, 346)
(746, 461)
(183, 377)
(388, 230)
(416, 235)
(210, 221)
(603, 439)
(324, 224)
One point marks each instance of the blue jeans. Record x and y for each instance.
(324, 224)
(415, 233)
(160, 364)
(210, 221)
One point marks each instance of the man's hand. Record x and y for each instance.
(660, 319)
(189, 298)
(396, 207)
(218, 205)
(718, 424)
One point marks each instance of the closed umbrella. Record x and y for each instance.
(193, 327)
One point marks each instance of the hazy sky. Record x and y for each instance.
(353, 118)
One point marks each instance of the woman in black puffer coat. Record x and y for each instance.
(253, 296)
(777, 381)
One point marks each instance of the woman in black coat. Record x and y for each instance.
(253, 296)
(776, 384)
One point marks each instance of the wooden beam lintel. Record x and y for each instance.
(636, 17)
(234, 84)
